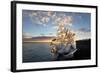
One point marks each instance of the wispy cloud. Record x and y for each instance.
(44, 17)
(27, 35)
(83, 33)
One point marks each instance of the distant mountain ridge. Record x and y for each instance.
(39, 38)
(44, 38)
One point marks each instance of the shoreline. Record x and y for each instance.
(44, 41)
(37, 41)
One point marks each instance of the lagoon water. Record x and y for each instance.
(36, 52)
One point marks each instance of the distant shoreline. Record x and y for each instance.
(38, 41)
(45, 41)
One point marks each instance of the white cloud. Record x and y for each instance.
(44, 20)
(27, 35)
(82, 35)
(43, 17)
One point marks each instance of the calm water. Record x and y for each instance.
(35, 52)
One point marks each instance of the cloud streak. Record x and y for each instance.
(83, 33)
(27, 35)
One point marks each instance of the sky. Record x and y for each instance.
(45, 23)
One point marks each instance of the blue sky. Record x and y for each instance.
(37, 23)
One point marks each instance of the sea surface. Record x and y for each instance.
(36, 52)
(40, 52)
